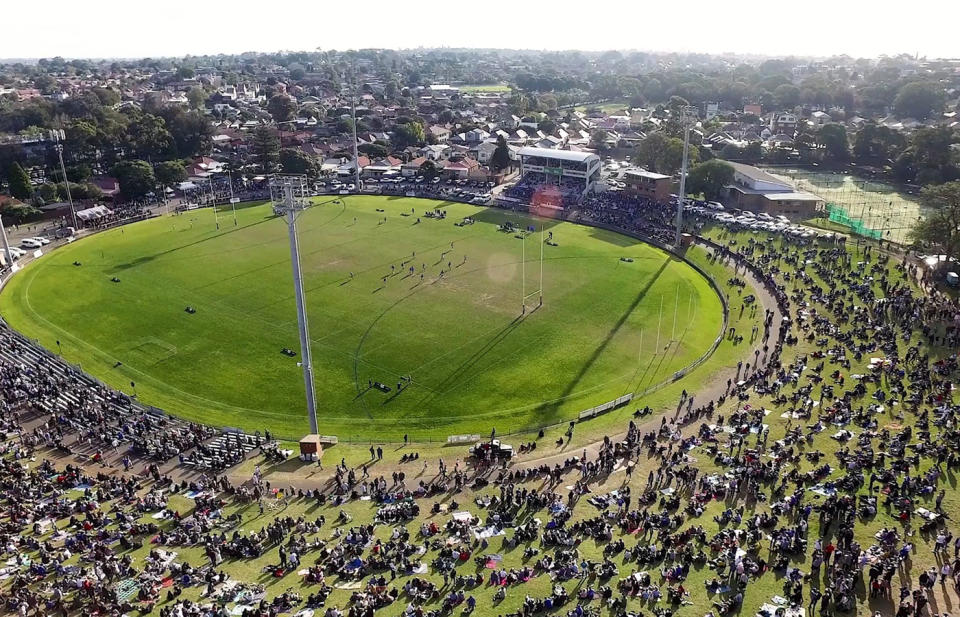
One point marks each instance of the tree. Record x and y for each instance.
(408, 134)
(428, 169)
(598, 139)
(929, 157)
(149, 138)
(191, 131)
(266, 149)
(753, 152)
(281, 107)
(500, 159)
(169, 173)
(547, 125)
(787, 96)
(344, 125)
(391, 89)
(731, 152)
(709, 178)
(670, 158)
(919, 99)
(373, 150)
(649, 149)
(135, 177)
(19, 182)
(20, 213)
(877, 144)
(47, 192)
(940, 230)
(197, 96)
(832, 138)
(296, 161)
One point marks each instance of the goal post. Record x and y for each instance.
(538, 292)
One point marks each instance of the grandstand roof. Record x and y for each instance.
(560, 155)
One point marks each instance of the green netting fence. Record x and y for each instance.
(839, 214)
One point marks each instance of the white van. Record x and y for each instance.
(30, 243)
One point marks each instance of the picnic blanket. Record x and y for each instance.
(826, 491)
(488, 532)
(127, 589)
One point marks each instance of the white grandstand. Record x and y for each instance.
(554, 178)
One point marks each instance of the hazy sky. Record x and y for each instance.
(111, 28)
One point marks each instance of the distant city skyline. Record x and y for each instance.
(109, 29)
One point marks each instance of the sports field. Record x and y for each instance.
(471, 360)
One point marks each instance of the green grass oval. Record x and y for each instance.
(473, 362)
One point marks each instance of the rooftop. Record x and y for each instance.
(755, 174)
(560, 155)
(794, 196)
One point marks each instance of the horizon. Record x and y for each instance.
(184, 29)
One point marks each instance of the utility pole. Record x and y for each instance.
(688, 113)
(58, 136)
(290, 194)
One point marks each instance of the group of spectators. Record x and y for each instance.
(539, 190)
(848, 348)
(221, 189)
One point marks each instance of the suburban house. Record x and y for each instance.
(485, 151)
(819, 118)
(412, 167)
(381, 166)
(462, 168)
(783, 123)
(435, 152)
(440, 133)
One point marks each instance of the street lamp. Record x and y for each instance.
(688, 115)
(57, 136)
(289, 195)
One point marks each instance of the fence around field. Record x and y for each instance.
(870, 208)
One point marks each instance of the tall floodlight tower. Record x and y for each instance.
(356, 155)
(7, 255)
(688, 116)
(58, 136)
(290, 196)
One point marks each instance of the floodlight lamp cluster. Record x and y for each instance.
(289, 191)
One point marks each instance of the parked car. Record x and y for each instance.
(30, 243)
